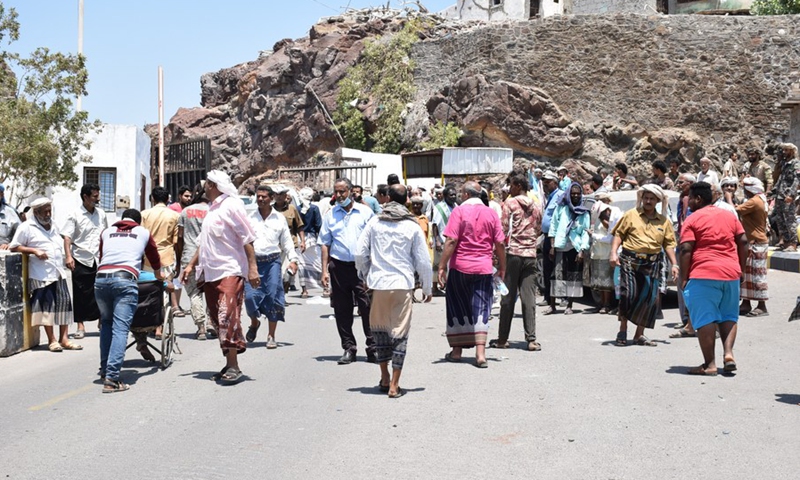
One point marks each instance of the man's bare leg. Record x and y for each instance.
(63, 333)
(271, 328)
(480, 353)
(727, 333)
(456, 352)
(232, 359)
(385, 379)
(51, 337)
(706, 336)
(394, 385)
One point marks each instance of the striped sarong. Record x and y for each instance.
(567, 278)
(601, 275)
(469, 305)
(638, 287)
(51, 303)
(754, 286)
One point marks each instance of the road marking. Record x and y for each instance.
(62, 397)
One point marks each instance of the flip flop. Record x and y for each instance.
(483, 364)
(549, 311)
(72, 346)
(701, 370)
(496, 343)
(400, 393)
(730, 366)
(645, 342)
(448, 356)
(622, 339)
(758, 313)
(383, 388)
(219, 375)
(683, 333)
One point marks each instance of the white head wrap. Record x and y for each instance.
(550, 175)
(306, 194)
(655, 190)
(729, 181)
(40, 202)
(278, 189)
(223, 182)
(689, 177)
(753, 185)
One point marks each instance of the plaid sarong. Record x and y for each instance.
(754, 286)
(638, 288)
(51, 303)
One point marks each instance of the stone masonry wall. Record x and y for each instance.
(580, 7)
(11, 304)
(718, 76)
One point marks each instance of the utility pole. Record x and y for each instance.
(78, 103)
(161, 126)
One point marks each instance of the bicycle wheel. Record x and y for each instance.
(167, 338)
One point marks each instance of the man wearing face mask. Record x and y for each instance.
(51, 304)
(339, 238)
(9, 220)
(82, 247)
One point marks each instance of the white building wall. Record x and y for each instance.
(125, 148)
(487, 10)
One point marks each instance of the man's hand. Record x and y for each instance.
(427, 299)
(4, 246)
(302, 247)
(788, 200)
(160, 277)
(552, 252)
(70, 262)
(613, 260)
(501, 274)
(293, 268)
(728, 197)
(40, 254)
(253, 277)
(325, 278)
(442, 277)
(185, 274)
(579, 258)
(675, 271)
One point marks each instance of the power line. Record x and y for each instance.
(326, 6)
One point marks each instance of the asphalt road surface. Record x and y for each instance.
(581, 408)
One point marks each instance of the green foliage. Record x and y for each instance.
(41, 135)
(775, 7)
(383, 75)
(442, 135)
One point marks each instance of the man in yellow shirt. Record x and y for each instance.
(644, 235)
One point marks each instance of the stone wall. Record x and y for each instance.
(717, 76)
(580, 7)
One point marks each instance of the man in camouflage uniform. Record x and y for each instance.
(758, 167)
(787, 167)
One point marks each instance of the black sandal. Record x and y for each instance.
(251, 332)
(622, 339)
(231, 377)
(383, 388)
(113, 386)
(217, 376)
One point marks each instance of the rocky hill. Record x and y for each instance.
(588, 90)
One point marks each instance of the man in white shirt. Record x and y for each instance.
(706, 174)
(383, 260)
(441, 214)
(82, 247)
(224, 259)
(273, 242)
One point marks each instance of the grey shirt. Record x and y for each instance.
(191, 221)
(9, 221)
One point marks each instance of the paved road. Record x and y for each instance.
(580, 408)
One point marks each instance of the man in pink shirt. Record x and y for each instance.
(184, 199)
(473, 232)
(224, 257)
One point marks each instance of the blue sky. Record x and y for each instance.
(126, 40)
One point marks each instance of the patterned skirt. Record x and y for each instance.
(602, 275)
(754, 286)
(567, 278)
(469, 305)
(51, 303)
(639, 280)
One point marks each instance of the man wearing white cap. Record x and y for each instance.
(51, 303)
(224, 258)
(753, 214)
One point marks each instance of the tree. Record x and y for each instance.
(775, 7)
(42, 137)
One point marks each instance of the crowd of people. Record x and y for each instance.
(540, 237)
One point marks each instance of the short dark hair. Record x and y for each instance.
(133, 214)
(622, 168)
(702, 190)
(382, 189)
(183, 189)
(398, 193)
(597, 179)
(198, 194)
(88, 188)
(392, 179)
(660, 165)
(346, 181)
(358, 187)
(520, 181)
(160, 195)
(264, 188)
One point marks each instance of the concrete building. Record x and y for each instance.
(120, 165)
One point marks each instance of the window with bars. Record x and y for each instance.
(107, 179)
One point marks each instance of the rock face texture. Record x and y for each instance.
(591, 89)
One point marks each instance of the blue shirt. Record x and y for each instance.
(373, 203)
(312, 220)
(552, 202)
(341, 229)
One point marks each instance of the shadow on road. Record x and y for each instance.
(788, 398)
(374, 390)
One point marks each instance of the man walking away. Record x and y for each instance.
(82, 247)
(753, 214)
(225, 256)
(117, 291)
(190, 224)
(383, 260)
(339, 239)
